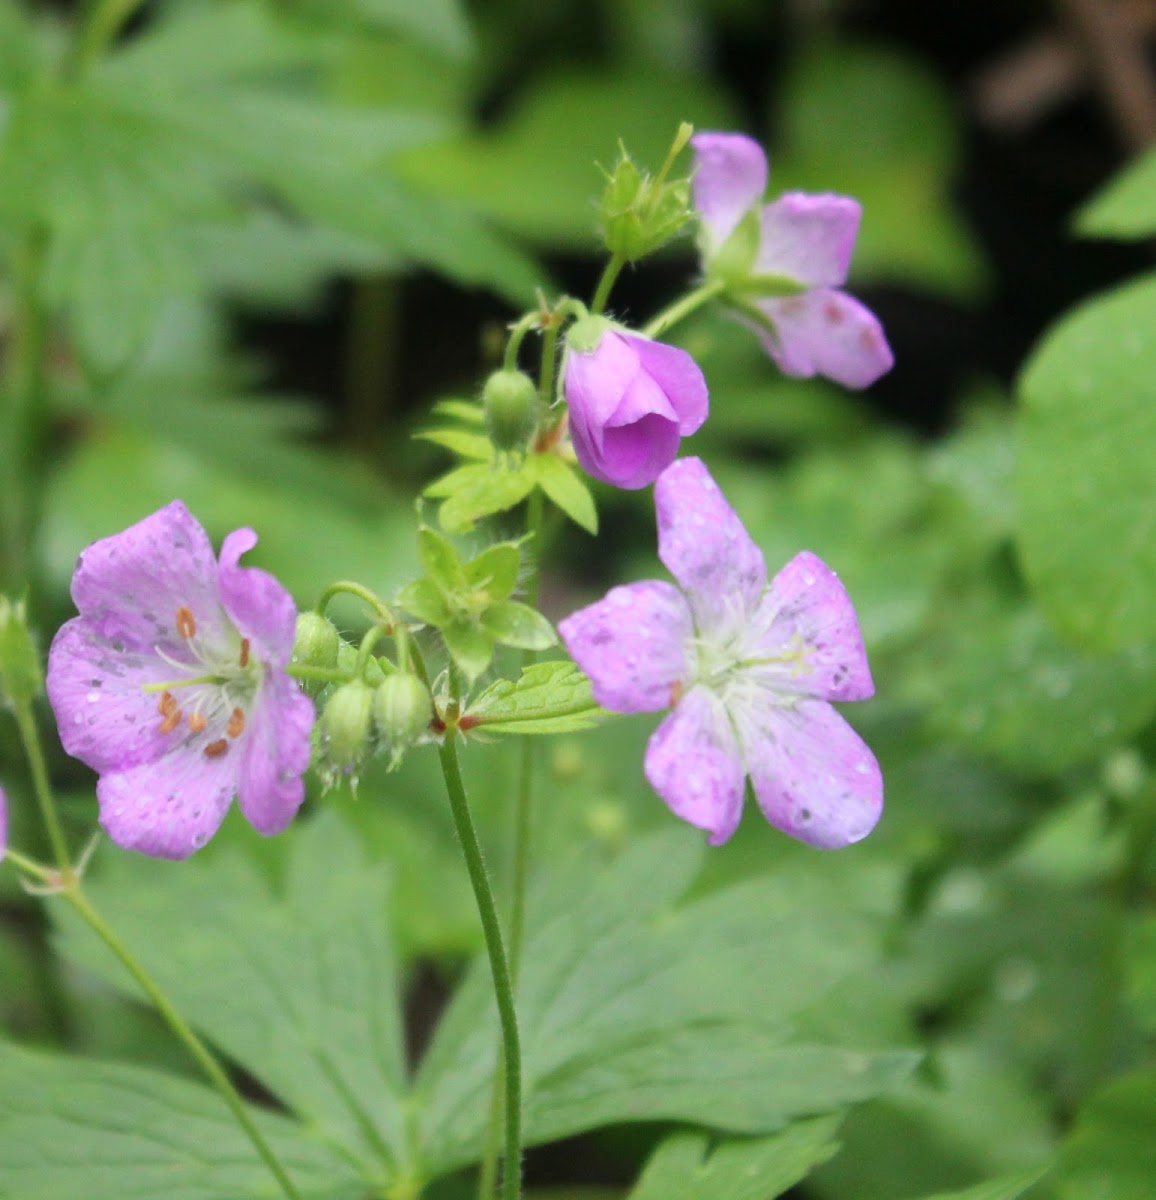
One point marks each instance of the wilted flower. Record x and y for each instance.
(749, 670)
(785, 263)
(171, 684)
(631, 401)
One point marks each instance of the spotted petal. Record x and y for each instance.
(693, 762)
(813, 776)
(632, 645)
(806, 610)
(808, 238)
(168, 808)
(275, 753)
(705, 546)
(826, 332)
(130, 586)
(730, 176)
(262, 610)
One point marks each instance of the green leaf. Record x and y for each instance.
(478, 491)
(634, 1009)
(440, 24)
(1126, 207)
(566, 488)
(1084, 483)
(1007, 1188)
(469, 411)
(424, 599)
(470, 647)
(467, 445)
(685, 1167)
(1111, 1153)
(72, 1127)
(232, 953)
(442, 563)
(514, 624)
(1141, 969)
(495, 570)
(549, 697)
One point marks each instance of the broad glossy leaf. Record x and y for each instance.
(1084, 483)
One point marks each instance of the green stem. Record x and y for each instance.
(511, 1064)
(204, 1058)
(349, 587)
(30, 738)
(680, 309)
(609, 275)
(31, 867)
(104, 21)
(371, 359)
(517, 336)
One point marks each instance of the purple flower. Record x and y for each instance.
(802, 240)
(748, 668)
(171, 685)
(631, 400)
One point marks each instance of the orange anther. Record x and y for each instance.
(197, 722)
(244, 652)
(167, 704)
(171, 721)
(236, 725)
(186, 623)
(676, 691)
(216, 749)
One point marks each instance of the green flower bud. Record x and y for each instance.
(21, 677)
(639, 213)
(346, 727)
(511, 404)
(402, 709)
(317, 641)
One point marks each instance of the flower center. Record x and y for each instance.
(216, 681)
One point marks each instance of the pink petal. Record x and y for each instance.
(595, 382)
(705, 546)
(168, 808)
(633, 455)
(807, 608)
(105, 718)
(262, 610)
(808, 238)
(274, 754)
(130, 585)
(730, 176)
(632, 645)
(679, 377)
(814, 777)
(693, 763)
(827, 332)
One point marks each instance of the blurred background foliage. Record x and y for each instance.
(244, 245)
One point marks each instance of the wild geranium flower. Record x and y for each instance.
(171, 684)
(749, 669)
(631, 400)
(800, 245)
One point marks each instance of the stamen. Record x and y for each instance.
(167, 704)
(216, 749)
(244, 652)
(197, 722)
(172, 718)
(186, 623)
(676, 690)
(236, 725)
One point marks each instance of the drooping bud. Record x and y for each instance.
(402, 709)
(21, 677)
(316, 644)
(346, 726)
(511, 405)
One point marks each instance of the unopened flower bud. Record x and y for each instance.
(21, 677)
(511, 404)
(317, 641)
(639, 212)
(347, 727)
(402, 709)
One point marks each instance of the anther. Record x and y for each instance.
(244, 652)
(676, 691)
(167, 704)
(172, 718)
(186, 623)
(236, 725)
(216, 749)
(197, 722)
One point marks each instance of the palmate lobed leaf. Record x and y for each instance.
(549, 697)
(102, 1131)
